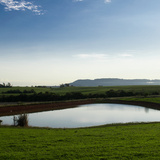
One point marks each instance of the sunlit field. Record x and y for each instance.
(85, 90)
(129, 141)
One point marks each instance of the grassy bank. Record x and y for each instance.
(143, 99)
(129, 141)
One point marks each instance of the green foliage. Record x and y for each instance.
(139, 141)
(37, 94)
(8, 85)
(144, 99)
(87, 90)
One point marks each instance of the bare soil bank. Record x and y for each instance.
(20, 109)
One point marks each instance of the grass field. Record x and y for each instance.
(129, 141)
(87, 90)
(144, 99)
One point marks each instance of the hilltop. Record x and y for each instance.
(114, 82)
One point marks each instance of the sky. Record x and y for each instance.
(50, 42)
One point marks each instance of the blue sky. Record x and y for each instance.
(49, 42)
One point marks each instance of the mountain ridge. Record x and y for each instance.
(113, 82)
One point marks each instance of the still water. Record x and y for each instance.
(90, 115)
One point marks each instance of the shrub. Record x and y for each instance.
(22, 120)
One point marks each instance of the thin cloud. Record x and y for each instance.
(89, 56)
(21, 6)
(107, 1)
(128, 53)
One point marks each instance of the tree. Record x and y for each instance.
(3, 85)
(8, 85)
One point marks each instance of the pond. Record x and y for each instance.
(89, 115)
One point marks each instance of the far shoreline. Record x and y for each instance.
(21, 108)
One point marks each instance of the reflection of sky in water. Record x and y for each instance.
(90, 115)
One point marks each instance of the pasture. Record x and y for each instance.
(120, 141)
(85, 90)
(48, 94)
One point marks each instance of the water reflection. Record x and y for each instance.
(90, 115)
(146, 110)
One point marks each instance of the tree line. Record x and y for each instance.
(3, 85)
(15, 91)
(49, 96)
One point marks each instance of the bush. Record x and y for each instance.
(22, 120)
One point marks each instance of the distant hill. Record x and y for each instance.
(114, 82)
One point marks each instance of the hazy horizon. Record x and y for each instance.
(54, 42)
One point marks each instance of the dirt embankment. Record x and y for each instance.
(20, 109)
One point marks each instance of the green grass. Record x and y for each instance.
(37, 89)
(87, 90)
(129, 141)
(99, 90)
(144, 99)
